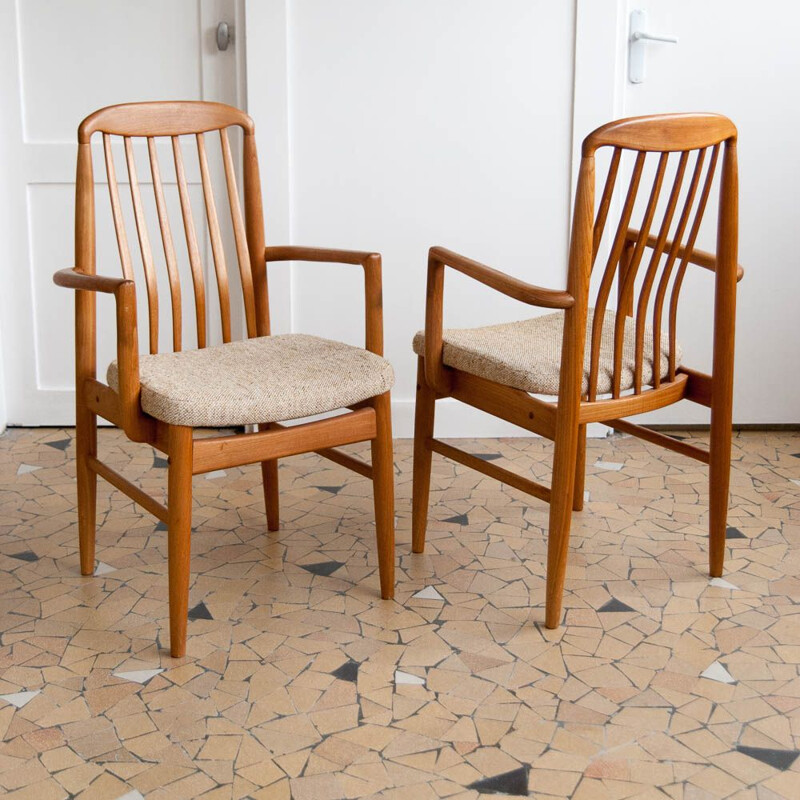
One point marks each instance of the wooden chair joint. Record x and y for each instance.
(102, 400)
(699, 386)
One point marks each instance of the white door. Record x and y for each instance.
(60, 62)
(731, 59)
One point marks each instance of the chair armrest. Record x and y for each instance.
(373, 292)
(699, 258)
(72, 279)
(133, 421)
(500, 281)
(323, 254)
(438, 259)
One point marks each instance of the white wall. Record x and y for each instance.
(396, 126)
(407, 125)
(3, 407)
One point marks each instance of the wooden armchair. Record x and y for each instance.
(159, 398)
(587, 350)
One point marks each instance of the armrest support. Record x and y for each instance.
(134, 421)
(438, 259)
(699, 258)
(373, 292)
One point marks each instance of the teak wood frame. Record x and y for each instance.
(369, 420)
(564, 421)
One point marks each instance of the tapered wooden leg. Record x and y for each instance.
(180, 533)
(722, 370)
(719, 480)
(562, 493)
(383, 492)
(85, 446)
(423, 430)
(580, 470)
(269, 477)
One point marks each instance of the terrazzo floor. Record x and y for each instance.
(301, 683)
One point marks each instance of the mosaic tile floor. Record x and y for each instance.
(301, 683)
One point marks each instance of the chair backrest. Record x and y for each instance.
(168, 121)
(680, 155)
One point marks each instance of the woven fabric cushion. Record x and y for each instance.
(267, 379)
(527, 354)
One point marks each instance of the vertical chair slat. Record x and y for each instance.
(116, 210)
(217, 249)
(254, 225)
(239, 234)
(626, 294)
(624, 265)
(649, 279)
(663, 284)
(690, 242)
(169, 247)
(195, 263)
(608, 274)
(605, 202)
(151, 282)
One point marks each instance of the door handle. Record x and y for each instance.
(637, 35)
(224, 35)
(637, 45)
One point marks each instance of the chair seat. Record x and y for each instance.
(527, 354)
(266, 379)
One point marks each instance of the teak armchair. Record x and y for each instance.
(580, 353)
(161, 398)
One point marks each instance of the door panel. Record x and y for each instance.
(79, 56)
(711, 69)
(66, 60)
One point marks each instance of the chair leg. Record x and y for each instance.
(383, 492)
(719, 474)
(561, 499)
(580, 470)
(423, 430)
(179, 483)
(86, 445)
(269, 477)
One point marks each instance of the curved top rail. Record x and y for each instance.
(662, 132)
(162, 118)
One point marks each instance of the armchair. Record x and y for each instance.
(161, 397)
(599, 364)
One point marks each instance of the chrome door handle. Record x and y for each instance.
(224, 35)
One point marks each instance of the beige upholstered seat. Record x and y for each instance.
(527, 354)
(267, 379)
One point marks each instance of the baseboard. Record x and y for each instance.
(456, 420)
